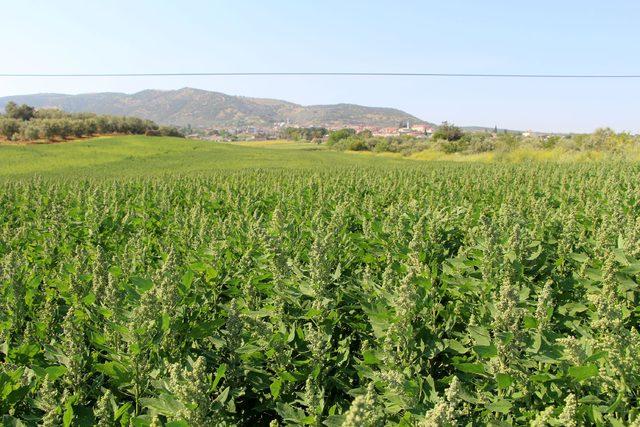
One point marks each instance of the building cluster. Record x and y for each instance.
(416, 130)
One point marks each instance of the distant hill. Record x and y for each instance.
(201, 108)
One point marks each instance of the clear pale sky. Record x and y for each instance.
(465, 36)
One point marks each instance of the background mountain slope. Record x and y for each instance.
(201, 108)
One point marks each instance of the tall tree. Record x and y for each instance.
(448, 131)
(22, 112)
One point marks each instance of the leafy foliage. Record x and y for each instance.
(448, 132)
(416, 295)
(338, 135)
(24, 123)
(307, 134)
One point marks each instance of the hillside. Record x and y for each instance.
(201, 108)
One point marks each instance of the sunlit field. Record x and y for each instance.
(162, 281)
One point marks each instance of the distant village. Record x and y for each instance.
(416, 130)
(247, 133)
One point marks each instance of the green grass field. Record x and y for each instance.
(146, 156)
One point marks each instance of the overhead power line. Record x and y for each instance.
(337, 74)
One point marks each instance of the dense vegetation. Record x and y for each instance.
(25, 123)
(413, 294)
(312, 134)
(451, 139)
(349, 140)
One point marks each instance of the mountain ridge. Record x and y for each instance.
(202, 108)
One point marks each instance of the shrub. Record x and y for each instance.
(79, 128)
(306, 134)
(31, 132)
(355, 144)
(382, 146)
(480, 143)
(448, 132)
(19, 112)
(455, 146)
(338, 135)
(506, 142)
(50, 129)
(170, 131)
(9, 127)
(549, 142)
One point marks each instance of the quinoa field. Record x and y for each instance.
(223, 285)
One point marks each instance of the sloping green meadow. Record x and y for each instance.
(205, 284)
(131, 156)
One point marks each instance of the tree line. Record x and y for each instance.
(449, 139)
(26, 123)
(313, 134)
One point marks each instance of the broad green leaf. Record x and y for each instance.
(370, 357)
(582, 258)
(275, 387)
(187, 279)
(504, 380)
(583, 372)
(89, 299)
(165, 404)
(480, 335)
(142, 284)
(219, 375)
(223, 396)
(597, 356)
(502, 406)
(471, 368)
(457, 346)
(486, 351)
(335, 420)
(67, 417)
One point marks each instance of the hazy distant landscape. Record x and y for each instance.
(200, 108)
